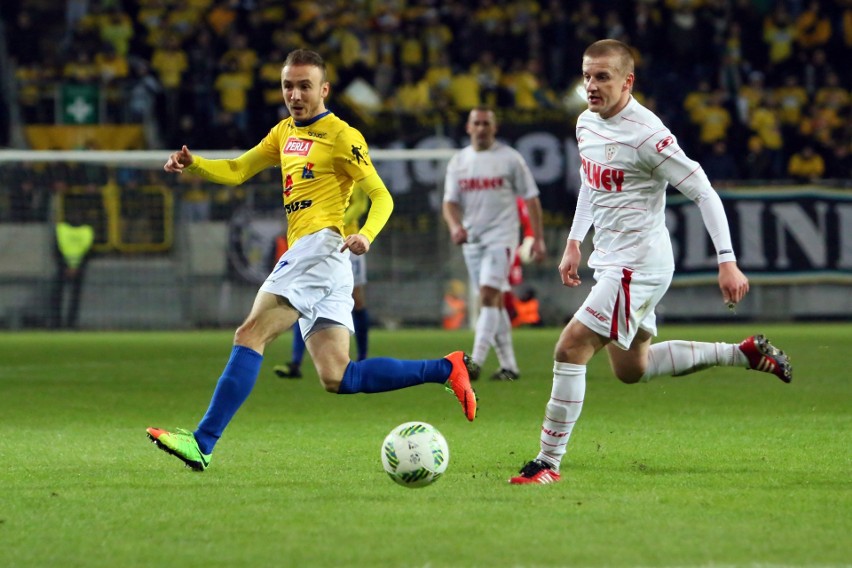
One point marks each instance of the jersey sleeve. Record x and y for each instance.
(524, 181)
(381, 205)
(667, 161)
(451, 180)
(352, 156)
(582, 215)
(236, 171)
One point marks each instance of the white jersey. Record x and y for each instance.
(627, 161)
(486, 185)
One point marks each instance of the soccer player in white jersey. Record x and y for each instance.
(321, 158)
(481, 188)
(628, 157)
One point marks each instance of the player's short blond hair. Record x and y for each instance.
(306, 57)
(607, 47)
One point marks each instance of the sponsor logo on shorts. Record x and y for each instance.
(597, 314)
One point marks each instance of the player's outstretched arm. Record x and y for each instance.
(570, 264)
(178, 161)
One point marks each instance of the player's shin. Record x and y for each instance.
(676, 358)
(487, 325)
(233, 388)
(562, 412)
(503, 343)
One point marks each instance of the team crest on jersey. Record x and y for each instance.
(664, 143)
(610, 150)
(356, 153)
(308, 171)
(297, 147)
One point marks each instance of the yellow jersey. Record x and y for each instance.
(321, 161)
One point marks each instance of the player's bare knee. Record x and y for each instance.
(629, 376)
(331, 383)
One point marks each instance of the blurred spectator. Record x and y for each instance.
(233, 85)
(241, 53)
(28, 198)
(556, 35)
(454, 310)
(81, 69)
(412, 96)
(197, 90)
(713, 121)
(463, 90)
(222, 17)
(488, 75)
(764, 122)
(527, 309)
(272, 108)
(813, 27)
(832, 95)
(815, 68)
(792, 99)
(144, 94)
(758, 161)
(806, 166)
(170, 62)
(116, 29)
(779, 33)
(194, 203)
(73, 246)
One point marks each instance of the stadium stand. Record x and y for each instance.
(211, 64)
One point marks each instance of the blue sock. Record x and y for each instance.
(383, 374)
(362, 326)
(232, 390)
(298, 346)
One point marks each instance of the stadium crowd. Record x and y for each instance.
(758, 89)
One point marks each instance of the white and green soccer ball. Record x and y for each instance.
(415, 454)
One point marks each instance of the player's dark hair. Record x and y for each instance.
(620, 49)
(306, 57)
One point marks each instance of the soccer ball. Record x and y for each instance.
(415, 454)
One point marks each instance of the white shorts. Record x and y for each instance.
(488, 266)
(621, 302)
(316, 278)
(359, 268)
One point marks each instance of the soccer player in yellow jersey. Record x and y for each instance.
(321, 159)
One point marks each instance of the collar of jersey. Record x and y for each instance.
(311, 121)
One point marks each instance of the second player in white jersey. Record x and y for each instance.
(482, 185)
(486, 183)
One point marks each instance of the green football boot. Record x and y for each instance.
(181, 444)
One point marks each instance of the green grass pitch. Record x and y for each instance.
(721, 468)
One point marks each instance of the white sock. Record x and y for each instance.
(563, 410)
(678, 358)
(486, 329)
(503, 343)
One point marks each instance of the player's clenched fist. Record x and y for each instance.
(178, 160)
